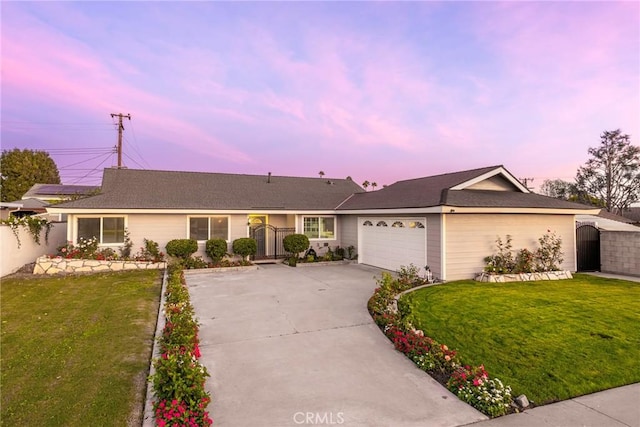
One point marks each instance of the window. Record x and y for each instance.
(367, 223)
(205, 228)
(381, 224)
(398, 224)
(319, 227)
(416, 224)
(108, 229)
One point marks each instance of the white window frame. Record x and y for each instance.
(101, 217)
(209, 225)
(335, 227)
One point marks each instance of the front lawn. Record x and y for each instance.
(550, 340)
(76, 349)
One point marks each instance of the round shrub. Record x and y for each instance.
(216, 249)
(182, 248)
(245, 247)
(296, 243)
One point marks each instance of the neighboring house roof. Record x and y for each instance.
(152, 189)
(606, 223)
(459, 189)
(632, 214)
(26, 204)
(58, 191)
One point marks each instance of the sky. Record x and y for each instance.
(379, 91)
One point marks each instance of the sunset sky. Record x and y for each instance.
(380, 91)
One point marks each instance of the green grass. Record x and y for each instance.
(550, 340)
(75, 350)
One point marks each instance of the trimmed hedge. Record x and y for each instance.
(245, 246)
(182, 248)
(216, 249)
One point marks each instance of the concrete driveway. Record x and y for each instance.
(296, 346)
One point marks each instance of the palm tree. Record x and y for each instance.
(374, 185)
(321, 173)
(365, 184)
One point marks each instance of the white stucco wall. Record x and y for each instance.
(13, 257)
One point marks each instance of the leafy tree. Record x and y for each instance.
(612, 174)
(557, 188)
(20, 169)
(321, 173)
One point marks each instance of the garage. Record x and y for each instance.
(389, 243)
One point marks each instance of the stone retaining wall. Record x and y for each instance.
(523, 277)
(46, 265)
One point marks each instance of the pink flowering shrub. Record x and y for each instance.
(179, 378)
(470, 384)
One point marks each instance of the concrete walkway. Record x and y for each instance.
(296, 346)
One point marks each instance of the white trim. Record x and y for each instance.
(443, 247)
(497, 171)
(335, 227)
(194, 212)
(74, 225)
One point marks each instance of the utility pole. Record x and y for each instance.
(525, 181)
(120, 116)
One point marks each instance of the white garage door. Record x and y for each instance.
(393, 242)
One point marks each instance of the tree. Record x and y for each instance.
(557, 188)
(365, 184)
(612, 174)
(374, 185)
(321, 173)
(20, 169)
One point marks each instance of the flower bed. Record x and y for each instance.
(178, 378)
(48, 265)
(471, 384)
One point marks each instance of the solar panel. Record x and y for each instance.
(55, 189)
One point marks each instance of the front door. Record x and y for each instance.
(258, 231)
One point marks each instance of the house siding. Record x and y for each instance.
(472, 237)
(434, 253)
(348, 226)
(495, 183)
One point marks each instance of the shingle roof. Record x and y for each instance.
(412, 193)
(436, 191)
(151, 189)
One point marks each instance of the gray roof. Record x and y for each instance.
(436, 191)
(152, 189)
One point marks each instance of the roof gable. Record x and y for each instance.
(498, 178)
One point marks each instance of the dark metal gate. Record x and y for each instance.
(269, 241)
(588, 247)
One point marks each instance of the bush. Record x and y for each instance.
(193, 262)
(549, 254)
(216, 249)
(548, 257)
(150, 252)
(295, 243)
(182, 248)
(245, 247)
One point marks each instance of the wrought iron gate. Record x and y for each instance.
(269, 240)
(588, 247)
